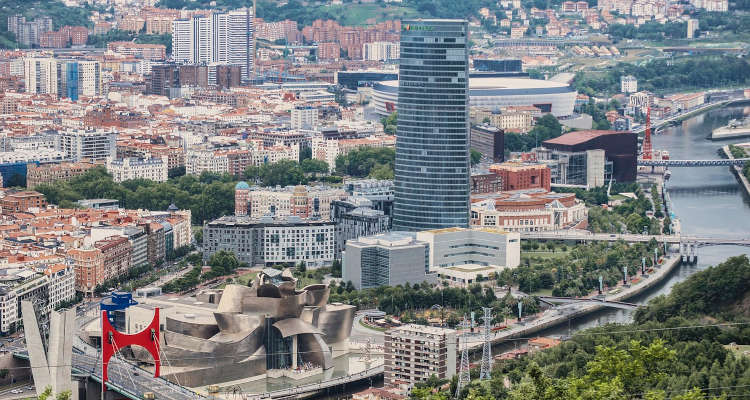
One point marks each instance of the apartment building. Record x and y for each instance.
(380, 51)
(301, 201)
(22, 202)
(50, 173)
(268, 241)
(139, 50)
(123, 169)
(413, 353)
(79, 144)
(51, 285)
(304, 117)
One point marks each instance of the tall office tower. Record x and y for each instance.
(432, 139)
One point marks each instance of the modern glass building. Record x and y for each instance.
(432, 139)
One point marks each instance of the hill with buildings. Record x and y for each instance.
(61, 15)
(346, 13)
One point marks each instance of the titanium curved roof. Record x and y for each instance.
(295, 326)
(497, 87)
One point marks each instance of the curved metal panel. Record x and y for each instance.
(295, 326)
(336, 322)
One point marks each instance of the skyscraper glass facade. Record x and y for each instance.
(432, 140)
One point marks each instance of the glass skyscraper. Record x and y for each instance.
(432, 139)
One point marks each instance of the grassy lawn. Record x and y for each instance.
(240, 280)
(244, 279)
(739, 350)
(305, 281)
(542, 292)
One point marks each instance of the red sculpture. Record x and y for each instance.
(113, 341)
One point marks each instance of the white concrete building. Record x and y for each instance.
(40, 75)
(304, 117)
(459, 246)
(48, 75)
(197, 161)
(269, 241)
(224, 37)
(388, 259)
(26, 156)
(413, 353)
(301, 201)
(381, 51)
(628, 84)
(123, 169)
(94, 145)
(51, 285)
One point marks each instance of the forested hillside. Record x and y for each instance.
(676, 349)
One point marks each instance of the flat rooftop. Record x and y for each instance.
(577, 137)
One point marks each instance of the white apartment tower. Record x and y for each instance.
(225, 38)
(380, 51)
(40, 75)
(304, 117)
(49, 75)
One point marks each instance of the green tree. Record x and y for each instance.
(475, 156)
(389, 123)
(361, 161)
(313, 166)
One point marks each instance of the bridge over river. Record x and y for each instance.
(580, 235)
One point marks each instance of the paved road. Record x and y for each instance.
(7, 395)
(360, 334)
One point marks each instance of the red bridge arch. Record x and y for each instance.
(113, 340)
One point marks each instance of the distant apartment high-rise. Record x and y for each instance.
(432, 145)
(63, 78)
(225, 38)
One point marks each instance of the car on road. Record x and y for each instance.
(16, 391)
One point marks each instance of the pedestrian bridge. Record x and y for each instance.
(590, 300)
(693, 163)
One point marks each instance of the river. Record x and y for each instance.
(708, 202)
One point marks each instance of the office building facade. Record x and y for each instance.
(620, 154)
(484, 246)
(432, 145)
(388, 259)
(488, 140)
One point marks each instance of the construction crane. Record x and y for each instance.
(647, 149)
